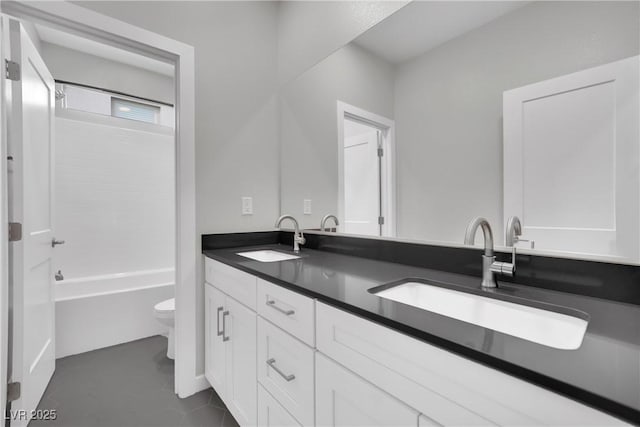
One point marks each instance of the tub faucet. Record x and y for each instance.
(298, 237)
(490, 267)
(325, 219)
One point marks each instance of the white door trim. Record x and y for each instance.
(387, 126)
(92, 25)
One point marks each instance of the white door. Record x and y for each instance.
(242, 386)
(345, 399)
(362, 179)
(571, 161)
(30, 139)
(214, 364)
(4, 219)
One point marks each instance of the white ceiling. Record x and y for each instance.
(71, 41)
(422, 25)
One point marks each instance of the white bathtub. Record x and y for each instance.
(101, 311)
(108, 284)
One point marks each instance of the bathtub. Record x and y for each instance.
(107, 284)
(100, 311)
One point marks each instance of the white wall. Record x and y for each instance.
(79, 67)
(448, 106)
(114, 194)
(310, 31)
(308, 126)
(236, 109)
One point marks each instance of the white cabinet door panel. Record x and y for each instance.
(344, 399)
(571, 161)
(241, 392)
(215, 352)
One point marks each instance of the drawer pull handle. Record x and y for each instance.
(218, 321)
(272, 363)
(272, 304)
(224, 326)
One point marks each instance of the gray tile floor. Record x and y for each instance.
(127, 385)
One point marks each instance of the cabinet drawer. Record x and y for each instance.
(285, 369)
(291, 311)
(271, 413)
(231, 281)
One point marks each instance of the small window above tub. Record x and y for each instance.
(134, 110)
(80, 99)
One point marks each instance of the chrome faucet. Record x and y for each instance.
(325, 219)
(514, 229)
(513, 233)
(298, 237)
(490, 267)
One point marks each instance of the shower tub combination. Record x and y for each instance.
(115, 209)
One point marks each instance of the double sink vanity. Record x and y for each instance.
(341, 333)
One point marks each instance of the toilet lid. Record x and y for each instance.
(168, 305)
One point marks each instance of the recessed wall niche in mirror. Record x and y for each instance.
(489, 109)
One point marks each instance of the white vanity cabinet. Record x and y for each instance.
(301, 362)
(230, 343)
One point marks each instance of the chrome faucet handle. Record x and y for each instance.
(505, 268)
(532, 243)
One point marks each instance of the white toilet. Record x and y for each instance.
(165, 313)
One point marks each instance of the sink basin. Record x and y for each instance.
(267, 255)
(542, 326)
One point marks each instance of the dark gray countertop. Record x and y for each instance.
(604, 372)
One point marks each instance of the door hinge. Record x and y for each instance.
(15, 231)
(380, 152)
(13, 391)
(380, 220)
(12, 70)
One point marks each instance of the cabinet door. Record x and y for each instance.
(271, 413)
(214, 362)
(242, 386)
(344, 399)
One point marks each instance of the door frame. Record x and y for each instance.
(388, 131)
(92, 25)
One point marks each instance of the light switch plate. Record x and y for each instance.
(307, 206)
(247, 206)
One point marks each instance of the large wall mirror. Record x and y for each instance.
(450, 110)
